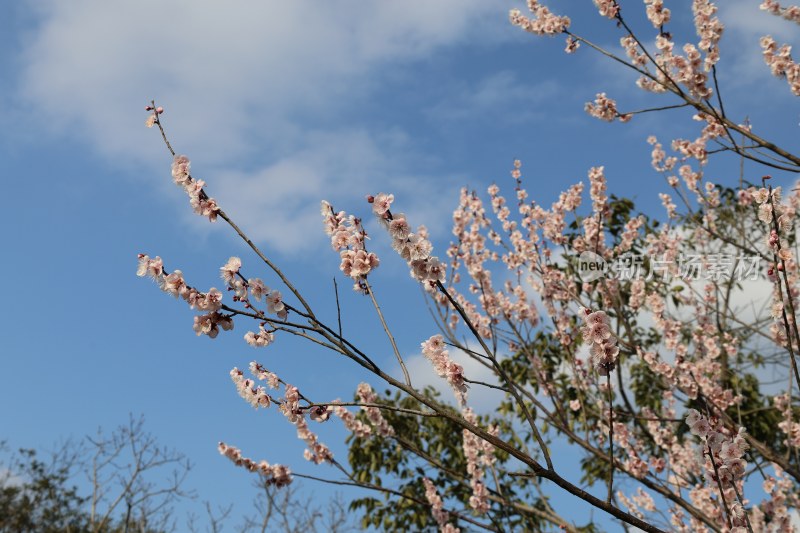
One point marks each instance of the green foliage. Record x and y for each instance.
(36, 497)
(379, 461)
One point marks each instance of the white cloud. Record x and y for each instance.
(230, 78)
(261, 90)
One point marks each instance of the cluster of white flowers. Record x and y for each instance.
(603, 349)
(433, 349)
(174, 284)
(543, 22)
(437, 509)
(728, 465)
(277, 475)
(348, 238)
(198, 199)
(415, 248)
(479, 454)
(255, 396)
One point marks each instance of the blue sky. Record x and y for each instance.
(278, 105)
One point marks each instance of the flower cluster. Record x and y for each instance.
(277, 475)
(603, 349)
(724, 458)
(210, 324)
(791, 13)
(198, 199)
(768, 203)
(316, 451)
(781, 64)
(543, 21)
(415, 248)
(709, 29)
(632, 50)
(607, 8)
(479, 454)
(366, 395)
(657, 13)
(174, 284)
(787, 425)
(434, 350)
(437, 509)
(605, 108)
(255, 396)
(354, 425)
(348, 238)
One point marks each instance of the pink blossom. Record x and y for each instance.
(433, 350)
(437, 507)
(275, 304)
(260, 339)
(791, 13)
(781, 63)
(277, 475)
(175, 285)
(153, 268)
(180, 170)
(607, 8)
(230, 269)
(211, 323)
(366, 395)
(603, 108)
(657, 13)
(257, 288)
(320, 413)
(572, 45)
(543, 21)
(381, 204)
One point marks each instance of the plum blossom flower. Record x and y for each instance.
(320, 413)
(200, 202)
(780, 63)
(657, 13)
(603, 108)
(607, 8)
(210, 324)
(348, 238)
(153, 268)
(414, 248)
(180, 170)
(603, 350)
(381, 203)
(367, 396)
(175, 285)
(790, 13)
(433, 349)
(437, 508)
(275, 304)
(277, 475)
(257, 288)
(254, 395)
(260, 339)
(572, 45)
(543, 22)
(230, 269)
